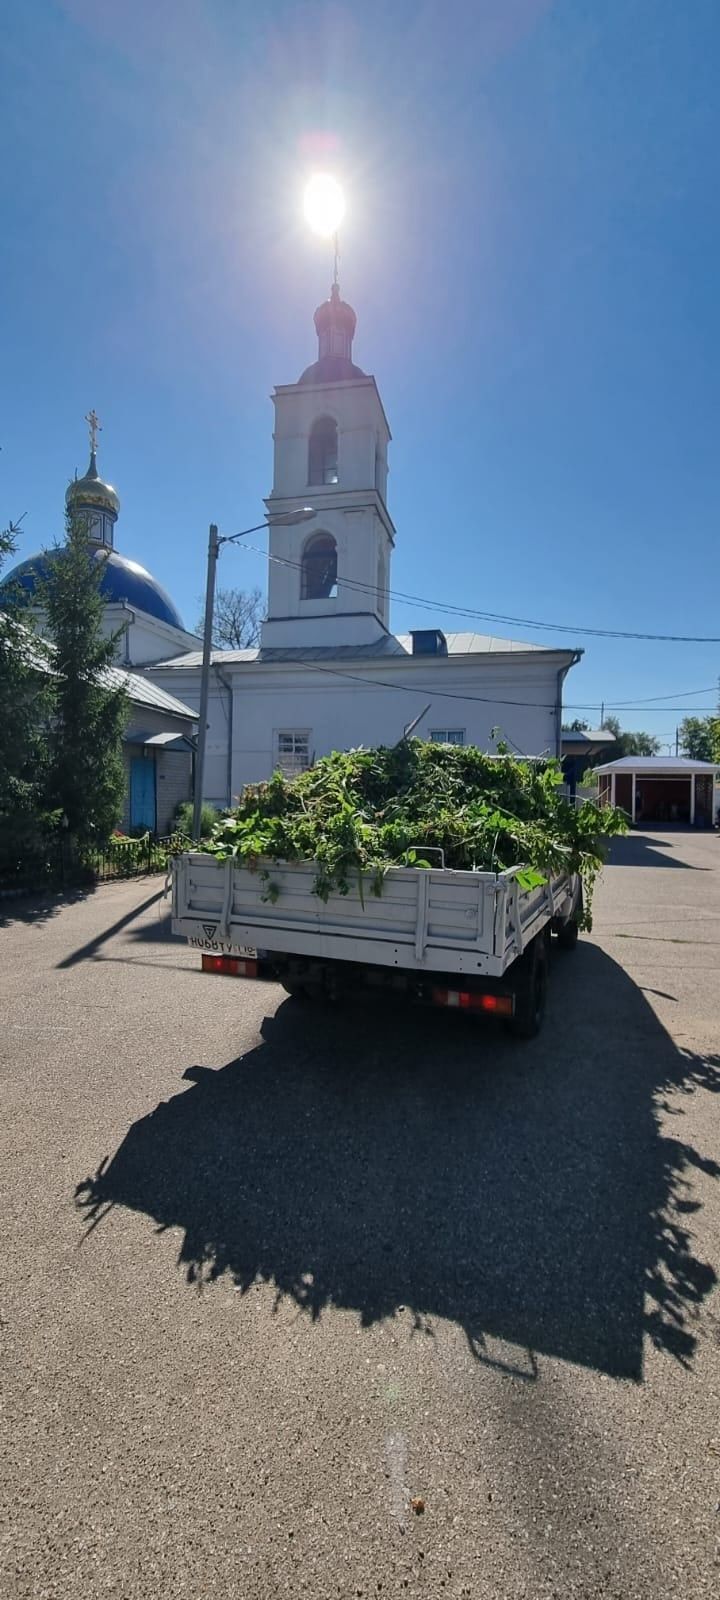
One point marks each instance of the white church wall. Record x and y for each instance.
(341, 712)
(354, 614)
(184, 684)
(356, 408)
(142, 638)
(174, 785)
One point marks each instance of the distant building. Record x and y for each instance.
(662, 789)
(578, 747)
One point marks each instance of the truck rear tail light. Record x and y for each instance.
(499, 1005)
(229, 966)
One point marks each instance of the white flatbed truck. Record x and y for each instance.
(476, 941)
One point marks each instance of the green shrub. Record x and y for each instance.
(183, 819)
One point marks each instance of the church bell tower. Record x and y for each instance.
(329, 579)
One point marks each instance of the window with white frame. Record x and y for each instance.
(447, 735)
(292, 751)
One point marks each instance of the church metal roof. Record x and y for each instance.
(144, 693)
(388, 647)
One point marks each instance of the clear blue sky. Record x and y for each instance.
(532, 248)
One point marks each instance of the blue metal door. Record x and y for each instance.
(142, 793)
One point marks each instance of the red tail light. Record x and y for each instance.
(229, 966)
(499, 1005)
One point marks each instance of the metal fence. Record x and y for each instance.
(59, 866)
(133, 858)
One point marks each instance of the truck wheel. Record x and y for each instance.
(567, 932)
(567, 935)
(530, 991)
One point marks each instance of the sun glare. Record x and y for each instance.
(323, 204)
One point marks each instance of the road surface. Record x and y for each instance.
(304, 1303)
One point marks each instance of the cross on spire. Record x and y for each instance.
(93, 421)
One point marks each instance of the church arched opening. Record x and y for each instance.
(318, 578)
(323, 452)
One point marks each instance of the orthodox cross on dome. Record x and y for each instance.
(94, 424)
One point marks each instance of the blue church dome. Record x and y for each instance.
(122, 581)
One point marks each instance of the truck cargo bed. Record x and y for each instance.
(425, 920)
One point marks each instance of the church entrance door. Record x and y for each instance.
(142, 793)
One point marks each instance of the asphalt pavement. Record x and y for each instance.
(361, 1302)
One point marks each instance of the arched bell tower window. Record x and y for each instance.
(323, 452)
(318, 577)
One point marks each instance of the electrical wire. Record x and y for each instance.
(448, 609)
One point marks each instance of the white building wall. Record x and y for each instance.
(340, 712)
(357, 410)
(221, 716)
(353, 511)
(173, 769)
(142, 638)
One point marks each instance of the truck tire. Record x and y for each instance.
(567, 934)
(530, 990)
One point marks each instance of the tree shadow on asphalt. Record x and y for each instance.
(380, 1159)
(648, 849)
(36, 909)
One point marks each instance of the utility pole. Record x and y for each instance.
(602, 715)
(677, 740)
(213, 548)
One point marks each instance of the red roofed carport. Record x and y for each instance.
(662, 789)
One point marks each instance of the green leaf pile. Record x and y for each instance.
(359, 812)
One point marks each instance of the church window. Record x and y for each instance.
(323, 452)
(318, 578)
(292, 751)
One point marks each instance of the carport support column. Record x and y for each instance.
(634, 787)
(612, 788)
(692, 799)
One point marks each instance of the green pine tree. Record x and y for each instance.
(87, 777)
(25, 707)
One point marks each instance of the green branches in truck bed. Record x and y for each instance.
(417, 804)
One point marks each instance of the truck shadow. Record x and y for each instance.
(379, 1160)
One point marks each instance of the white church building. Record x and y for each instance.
(329, 673)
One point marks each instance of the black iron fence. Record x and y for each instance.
(133, 858)
(61, 865)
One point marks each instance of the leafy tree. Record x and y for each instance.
(628, 744)
(700, 738)
(87, 778)
(24, 718)
(576, 726)
(237, 620)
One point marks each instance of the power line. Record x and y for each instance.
(451, 694)
(448, 609)
(671, 695)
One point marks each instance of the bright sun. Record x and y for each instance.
(323, 204)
